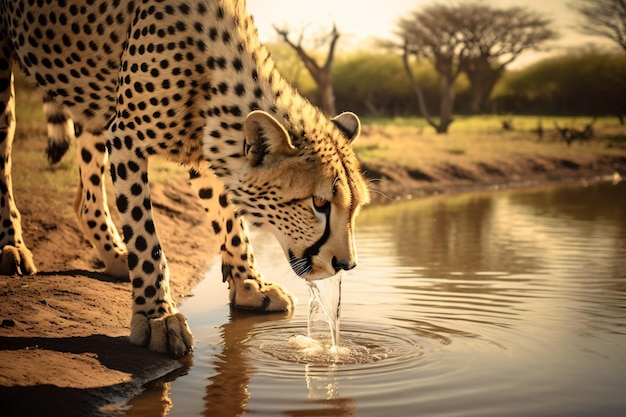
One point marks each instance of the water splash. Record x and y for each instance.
(321, 345)
(325, 309)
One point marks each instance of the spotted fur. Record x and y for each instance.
(187, 80)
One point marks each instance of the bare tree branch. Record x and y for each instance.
(334, 36)
(605, 18)
(308, 61)
(418, 91)
(321, 74)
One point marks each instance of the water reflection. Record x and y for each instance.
(227, 390)
(486, 255)
(511, 303)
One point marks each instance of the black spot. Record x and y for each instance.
(86, 155)
(193, 174)
(147, 267)
(137, 213)
(213, 33)
(156, 253)
(122, 203)
(150, 291)
(136, 189)
(140, 243)
(133, 260)
(206, 193)
(127, 232)
(226, 37)
(149, 226)
(223, 200)
(121, 171)
(133, 166)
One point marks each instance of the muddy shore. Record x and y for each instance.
(63, 346)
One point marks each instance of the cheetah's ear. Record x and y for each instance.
(264, 136)
(349, 124)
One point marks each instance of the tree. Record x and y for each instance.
(432, 33)
(320, 73)
(469, 38)
(493, 39)
(606, 18)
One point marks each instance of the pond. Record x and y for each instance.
(505, 303)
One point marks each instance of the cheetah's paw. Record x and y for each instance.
(168, 334)
(261, 296)
(16, 260)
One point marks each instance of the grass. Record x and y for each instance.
(410, 143)
(617, 141)
(491, 123)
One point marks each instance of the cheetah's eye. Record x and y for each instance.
(321, 205)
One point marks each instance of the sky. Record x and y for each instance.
(360, 20)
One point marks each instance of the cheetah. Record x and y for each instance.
(187, 80)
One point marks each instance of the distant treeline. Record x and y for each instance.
(375, 84)
(591, 84)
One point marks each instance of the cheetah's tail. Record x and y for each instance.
(61, 129)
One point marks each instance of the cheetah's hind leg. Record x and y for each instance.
(15, 257)
(91, 205)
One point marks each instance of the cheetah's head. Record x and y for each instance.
(305, 184)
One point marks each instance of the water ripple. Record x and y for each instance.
(378, 347)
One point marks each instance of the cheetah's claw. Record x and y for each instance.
(167, 334)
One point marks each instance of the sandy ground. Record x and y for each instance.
(63, 346)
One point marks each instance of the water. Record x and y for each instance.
(325, 309)
(494, 304)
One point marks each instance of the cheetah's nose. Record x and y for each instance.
(338, 265)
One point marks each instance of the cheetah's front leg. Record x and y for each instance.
(248, 289)
(156, 322)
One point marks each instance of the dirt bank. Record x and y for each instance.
(391, 182)
(63, 347)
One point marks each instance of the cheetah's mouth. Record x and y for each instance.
(304, 265)
(301, 266)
